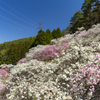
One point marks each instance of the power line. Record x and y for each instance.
(15, 26)
(18, 12)
(12, 21)
(16, 16)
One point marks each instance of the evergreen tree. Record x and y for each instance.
(49, 37)
(75, 21)
(76, 17)
(48, 31)
(43, 38)
(53, 33)
(37, 40)
(1, 58)
(81, 19)
(40, 32)
(63, 32)
(56, 33)
(88, 9)
(87, 6)
(59, 32)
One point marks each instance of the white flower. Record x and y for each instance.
(90, 94)
(30, 94)
(64, 76)
(77, 48)
(25, 92)
(22, 96)
(37, 95)
(67, 97)
(68, 85)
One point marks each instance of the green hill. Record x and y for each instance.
(11, 52)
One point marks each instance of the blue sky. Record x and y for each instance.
(21, 18)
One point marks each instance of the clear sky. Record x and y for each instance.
(21, 18)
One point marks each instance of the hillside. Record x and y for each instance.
(18, 44)
(55, 65)
(67, 69)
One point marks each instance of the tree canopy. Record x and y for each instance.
(57, 33)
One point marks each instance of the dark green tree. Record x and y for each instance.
(53, 32)
(76, 17)
(63, 32)
(1, 58)
(40, 32)
(57, 33)
(48, 31)
(49, 37)
(43, 38)
(84, 18)
(68, 27)
(75, 21)
(37, 40)
(87, 7)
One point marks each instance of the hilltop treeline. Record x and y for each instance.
(12, 52)
(88, 16)
(44, 38)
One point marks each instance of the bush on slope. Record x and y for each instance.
(57, 74)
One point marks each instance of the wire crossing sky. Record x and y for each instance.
(16, 11)
(21, 18)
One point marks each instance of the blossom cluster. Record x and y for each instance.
(86, 78)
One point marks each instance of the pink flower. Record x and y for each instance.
(81, 91)
(8, 76)
(98, 55)
(88, 78)
(71, 82)
(92, 88)
(91, 73)
(80, 77)
(20, 61)
(76, 75)
(57, 39)
(83, 73)
(76, 35)
(3, 72)
(26, 52)
(98, 71)
(76, 83)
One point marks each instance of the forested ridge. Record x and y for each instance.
(11, 52)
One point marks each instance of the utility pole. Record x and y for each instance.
(40, 25)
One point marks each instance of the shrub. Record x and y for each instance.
(49, 53)
(82, 34)
(84, 81)
(20, 61)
